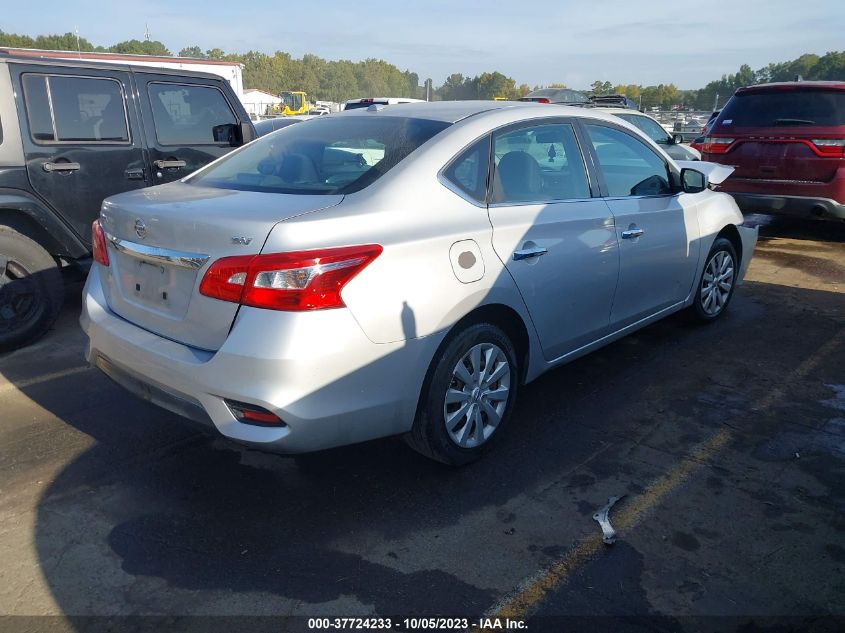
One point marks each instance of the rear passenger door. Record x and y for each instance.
(180, 117)
(658, 237)
(81, 138)
(555, 238)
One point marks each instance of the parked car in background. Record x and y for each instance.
(556, 95)
(787, 144)
(305, 295)
(669, 143)
(614, 101)
(74, 133)
(366, 102)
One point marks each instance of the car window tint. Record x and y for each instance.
(84, 109)
(328, 155)
(534, 164)
(186, 114)
(469, 170)
(785, 108)
(629, 167)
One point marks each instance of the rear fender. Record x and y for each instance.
(30, 216)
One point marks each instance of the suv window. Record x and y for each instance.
(785, 108)
(468, 171)
(533, 164)
(68, 109)
(328, 155)
(186, 114)
(629, 166)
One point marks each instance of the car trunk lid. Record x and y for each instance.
(161, 241)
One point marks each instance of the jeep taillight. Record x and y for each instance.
(296, 281)
(98, 243)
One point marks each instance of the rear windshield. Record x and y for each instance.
(785, 108)
(361, 104)
(331, 155)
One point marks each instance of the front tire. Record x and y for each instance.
(716, 285)
(31, 290)
(467, 397)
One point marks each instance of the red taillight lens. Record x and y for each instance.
(98, 242)
(304, 280)
(543, 100)
(717, 145)
(830, 146)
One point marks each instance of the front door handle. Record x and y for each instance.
(165, 164)
(528, 253)
(632, 232)
(50, 167)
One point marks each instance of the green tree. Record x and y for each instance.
(192, 51)
(137, 47)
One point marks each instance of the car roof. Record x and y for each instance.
(454, 111)
(792, 85)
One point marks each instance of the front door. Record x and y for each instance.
(657, 234)
(81, 137)
(180, 117)
(556, 240)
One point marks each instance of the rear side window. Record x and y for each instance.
(66, 109)
(785, 108)
(536, 164)
(186, 114)
(629, 166)
(329, 155)
(468, 172)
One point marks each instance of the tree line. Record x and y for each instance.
(339, 80)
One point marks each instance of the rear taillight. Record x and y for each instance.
(304, 280)
(98, 242)
(830, 146)
(543, 100)
(717, 145)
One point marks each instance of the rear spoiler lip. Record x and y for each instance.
(716, 173)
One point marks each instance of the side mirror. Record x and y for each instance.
(693, 181)
(234, 134)
(677, 139)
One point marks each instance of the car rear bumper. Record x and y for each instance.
(316, 371)
(789, 205)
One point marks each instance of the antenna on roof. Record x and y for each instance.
(76, 32)
(146, 32)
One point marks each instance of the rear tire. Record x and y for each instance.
(717, 282)
(467, 396)
(31, 290)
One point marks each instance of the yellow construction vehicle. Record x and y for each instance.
(293, 102)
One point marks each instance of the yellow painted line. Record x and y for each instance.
(532, 591)
(30, 382)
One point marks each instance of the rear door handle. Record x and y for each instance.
(528, 253)
(49, 167)
(165, 164)
(632, 232)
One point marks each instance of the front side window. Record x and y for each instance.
(84, 109)
(468, 171)
(539, 163)
(647, 125)
(629, 166)
(186, 114)
(329, 155)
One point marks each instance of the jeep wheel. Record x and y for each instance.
(31, 290)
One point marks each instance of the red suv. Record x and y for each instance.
(787, 143)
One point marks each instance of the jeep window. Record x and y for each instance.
(785, 108)
(186, 114)
(69, 109)
(329, 155)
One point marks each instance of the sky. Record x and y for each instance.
(574, 42)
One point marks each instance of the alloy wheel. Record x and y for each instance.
(19, 305)
(717, 283)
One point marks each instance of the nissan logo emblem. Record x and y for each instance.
(140, 228)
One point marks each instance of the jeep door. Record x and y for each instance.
(187, 120)
(81, 138)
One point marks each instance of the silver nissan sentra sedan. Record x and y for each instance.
(402, 270)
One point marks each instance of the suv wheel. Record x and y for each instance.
(716, 286)
(31, 290)
(467, 396)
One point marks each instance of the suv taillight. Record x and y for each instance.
(98, 242)
(830, 146)
(303, 280)
(717, 145)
